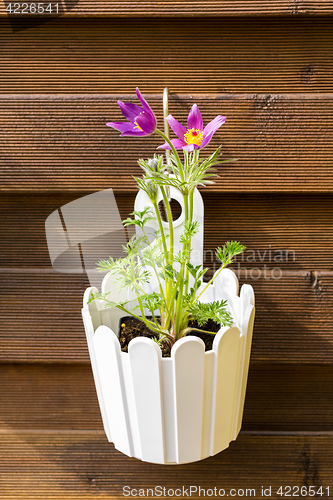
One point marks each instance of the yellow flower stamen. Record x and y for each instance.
(138, 126)
(194, 136)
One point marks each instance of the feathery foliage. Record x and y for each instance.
(171, 300)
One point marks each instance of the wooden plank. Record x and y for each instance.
(217, 56)
(178, 8)
(41, 321)
(84, 466)
(287, 398)
(63, 396)
(48, 397)
(279, 230)
(282, 142)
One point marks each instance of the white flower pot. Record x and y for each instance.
(172, 410)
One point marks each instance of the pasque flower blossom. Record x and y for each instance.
(141, 121)
(194, 136)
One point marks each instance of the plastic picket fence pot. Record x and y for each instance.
(180, 409)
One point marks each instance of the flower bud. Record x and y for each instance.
(153, 164)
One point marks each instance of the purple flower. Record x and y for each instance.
(141, 121)
(194, 136)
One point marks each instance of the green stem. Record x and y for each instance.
(144, 319)
(213, 278)
(179, 163)
(182, 275)
(161, 309)
(179, 301)
(170, 221)
(189, 244)
(189, 329)
(172, 298)
(147, 321)
(160, 225)
(165, 248)
(139, 300)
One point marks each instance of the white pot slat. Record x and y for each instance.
(90, 332)
(107, 351)
(248, 322)
(188, 357)
(131, 405)
(226, 372)
(145, 360)
(208, 394)
(168, 400)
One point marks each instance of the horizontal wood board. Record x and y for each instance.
(289, 231)
(84, 466)
(190, 56)
(64, 397)
(41, 320)
(61, 142)
(178, 8)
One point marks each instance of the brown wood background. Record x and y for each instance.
(268, 66)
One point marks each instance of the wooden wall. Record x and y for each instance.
(267, 66)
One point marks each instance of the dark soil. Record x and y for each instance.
(208, 338)
(130, 327)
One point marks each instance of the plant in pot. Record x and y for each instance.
(170, 351)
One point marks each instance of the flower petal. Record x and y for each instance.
(134, 133)
(121, 126)
(214, 125)
(126, 128)
(206, 140)
(144, 103)
(146, 122)
(177, 127)
(178, 144)
(194, 119)
(129, 110)
(191, 147)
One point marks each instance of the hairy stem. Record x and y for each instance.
(189, 243)
(170, 221)
(179, 163)
(148, 323)
(213, 278)
(161, 309)
(182, 276)
(189, 329)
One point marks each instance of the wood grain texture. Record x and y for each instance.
(178, 8)
(41, 320)
(59, 82)
(61, 142)
(193, 56)
(37, 396)
(290, 231)
(85, 466)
